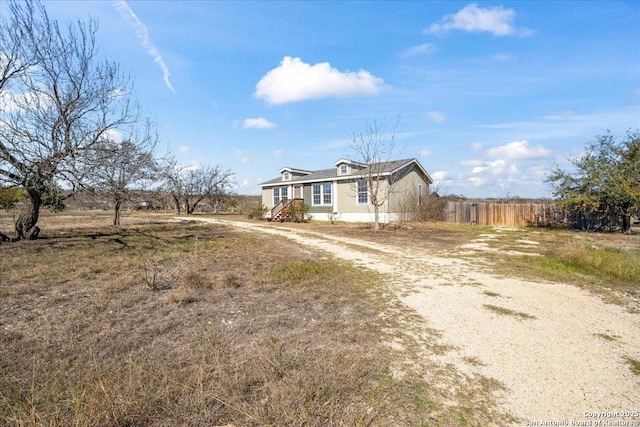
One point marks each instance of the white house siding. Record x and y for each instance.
(407, 185)
(348, 201)
(267, 197)
(385, 218)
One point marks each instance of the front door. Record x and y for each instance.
(297, 192)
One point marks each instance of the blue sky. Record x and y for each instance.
(489, 94)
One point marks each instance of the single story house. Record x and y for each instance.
(342, 192)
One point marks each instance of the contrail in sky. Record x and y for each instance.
(141, 31)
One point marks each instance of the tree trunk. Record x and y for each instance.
(376, 218)
(116, 218)
(626, 222)
(28, 217)
(176, 202)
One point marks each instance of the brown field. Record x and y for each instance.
(158, 323)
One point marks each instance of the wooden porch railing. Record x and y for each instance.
(281, 211)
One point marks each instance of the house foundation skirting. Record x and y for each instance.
(385, 218)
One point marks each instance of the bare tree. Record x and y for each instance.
(15, 60)
(118, 169)
(373, 148)
(55, 110)
(189, 186)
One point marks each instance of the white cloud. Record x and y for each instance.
(477, 145)
(518, 150)
(245, 183)
(496, 20)
(502, 57)
(294, 80)
(496, 167)
(243, 156)
(421, 49)
(276, 153)
(112, 135)
(472, 162)
(258, 123)
(540, 171)
(142, 33)
(573, 125)
(187, 167)
(477, 181)
(183, 149)
(435, 116)
(12, 102)
(561, 115)
(440, 175)
(117, 93)
(426, 153)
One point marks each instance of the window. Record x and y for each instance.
(343, 169)
(363, 194)
(326, 197)
(321, 194)
(279, 193)
(420, 194)
(287, 176)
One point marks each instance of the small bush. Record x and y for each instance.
(258, 212)
(299, 213)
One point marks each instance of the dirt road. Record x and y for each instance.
(560, 352)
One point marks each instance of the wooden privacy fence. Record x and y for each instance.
(505, 214)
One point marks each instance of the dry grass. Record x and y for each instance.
(194, 324)
(491, 294)
(508, 312)
(634, 365)
(607, 337)
(606, 264)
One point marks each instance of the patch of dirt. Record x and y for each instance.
(551, 357)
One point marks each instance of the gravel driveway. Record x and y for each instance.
(560, 352)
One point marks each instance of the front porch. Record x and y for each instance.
(282, 210)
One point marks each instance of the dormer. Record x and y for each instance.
(289, 174)
(347, 167)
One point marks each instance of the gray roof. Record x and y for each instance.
(332, 174)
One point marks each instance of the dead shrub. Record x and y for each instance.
(161, 273)
(231, 280)
(194, 280)
(415, 207)
(182, 296)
